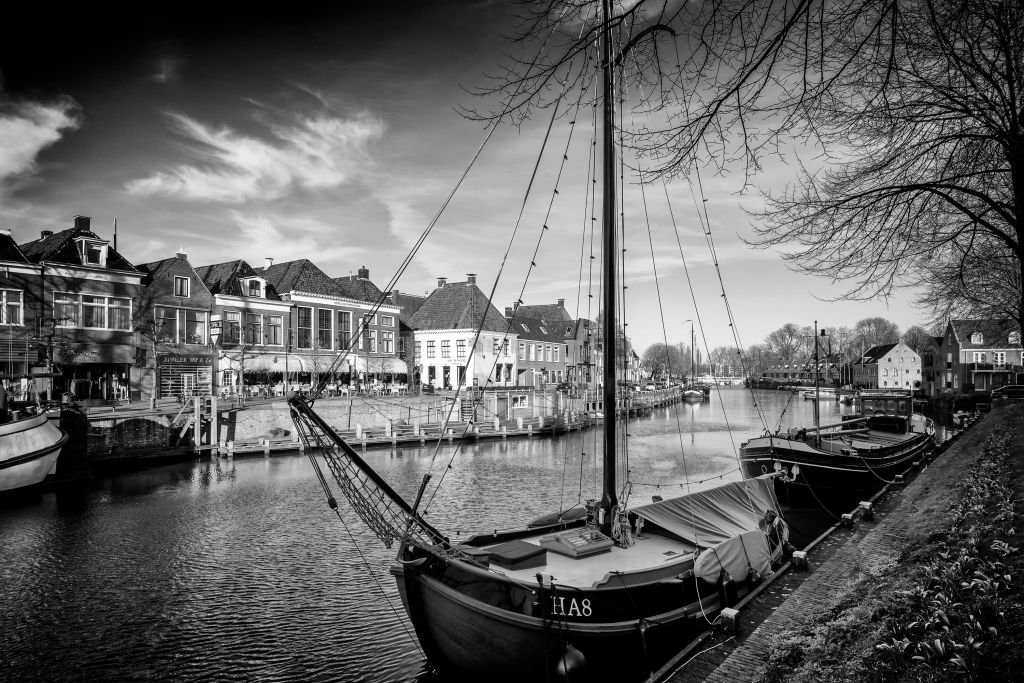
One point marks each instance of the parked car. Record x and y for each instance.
(1014, 391)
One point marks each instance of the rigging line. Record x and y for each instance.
(657, 287)
(497, 279)
(406, 262)
(376, 581)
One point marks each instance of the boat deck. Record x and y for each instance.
(650, 552)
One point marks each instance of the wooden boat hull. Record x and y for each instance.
(28, 451)
(830, 475)
(470, 639)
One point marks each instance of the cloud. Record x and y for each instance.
(27, 128)
(286, 238)
(312, 153)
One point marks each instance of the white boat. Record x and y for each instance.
(822, 394)
(28, 451)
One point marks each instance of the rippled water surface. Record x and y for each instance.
(238, 570)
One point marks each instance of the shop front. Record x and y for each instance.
(184, 374)
(97, 371)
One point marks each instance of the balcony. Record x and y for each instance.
(994, 367)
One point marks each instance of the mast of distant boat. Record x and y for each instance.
(608, 498)
(817, 395)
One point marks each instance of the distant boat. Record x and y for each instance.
(693, 394)
(29, 447)
(823, 394)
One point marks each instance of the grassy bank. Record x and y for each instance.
(951, 605)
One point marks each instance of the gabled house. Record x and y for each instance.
(407, 305)
(542, 353)
(445, 328)
(888, 366)
(89, 295)
(981, 355)
(248, 329)
(174, 350)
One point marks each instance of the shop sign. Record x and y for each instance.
(175, 359)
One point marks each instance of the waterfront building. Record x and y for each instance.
(375, 352)
(407, 305)
(85, 307)
(174, 356)
(445, 328)
(541, 357)
(888, 366)
(932, 367)
(23, 356)
(248, 331)
(980, 355)
(581, 356)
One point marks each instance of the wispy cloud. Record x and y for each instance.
(26, 129)
(286, 237)
(311, 152)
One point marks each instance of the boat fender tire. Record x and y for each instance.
(727, 590)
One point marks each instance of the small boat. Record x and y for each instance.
(822, 394)
(693, 394)
(29, 447)
(843, 460)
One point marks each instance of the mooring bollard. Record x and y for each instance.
(846, 520)
(729, 620)
(799, 559)
(867, 513)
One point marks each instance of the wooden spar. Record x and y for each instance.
(608, 498)
(837, 424)
(845, 432)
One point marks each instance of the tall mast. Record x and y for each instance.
(608, 498)
(817, 396)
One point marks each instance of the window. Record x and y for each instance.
(370, 319)
(324, 329)
(460, 348)
(556, 352)
(529, 352)
(371, 340)
(417, 349)
(525, 327)
(401, 346)
(999, 358)
(542, 330)
(166, 322)
(181, 286)
(11, 312)
(232, 330)
(255, 288)
(275, 329)
(540, 352)
(885, 372)
(977, 338)
(92, 252)
(446, 348)
(504, 347)
(387, 320)
(304, 324)
(497, 346)
(253, 328)
(547, 352)
(430, 349)
(978, 357)
(194, 325)
(522, 351)
(387, 341)
(92, 311)
(344, 330)
(1014, 338)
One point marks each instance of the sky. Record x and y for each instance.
(332, 133)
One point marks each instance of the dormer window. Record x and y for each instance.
(977, 338)
(93, 252)
(1014, 338)
(253, 287)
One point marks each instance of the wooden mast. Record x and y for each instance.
(608, 498)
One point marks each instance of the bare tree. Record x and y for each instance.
(934, 175)
(874, 332)
(918, 338)
(786, 343)
(661, 360)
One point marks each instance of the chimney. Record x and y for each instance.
(441, 281)
(269, 261)
(508, 312)
(181, 254)
(81, 223)
(561, 303)
(6, 231)
(43, 234)
(364, 273)
(470, 278)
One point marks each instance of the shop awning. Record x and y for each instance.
(81, 354)
(267, 362)
(386, 364)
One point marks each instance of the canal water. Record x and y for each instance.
(238, 570)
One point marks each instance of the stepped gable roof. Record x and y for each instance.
(223, 278)
(458, 305)
(550, 313)
(60, 248)
(301, 275)
(995, 334)
(360, 289)
(876, 353)
(9, 250)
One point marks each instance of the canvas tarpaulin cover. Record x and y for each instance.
(707, 518)
(737, 556)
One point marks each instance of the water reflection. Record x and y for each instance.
(236, 569)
